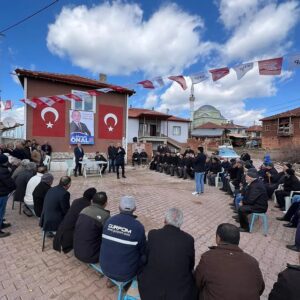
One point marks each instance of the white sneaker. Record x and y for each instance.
(195, 193)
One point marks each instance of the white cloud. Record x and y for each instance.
(151, 100)
(17, 114)
(115, 38)
(258, 32)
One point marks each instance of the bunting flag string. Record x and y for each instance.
(271, 66)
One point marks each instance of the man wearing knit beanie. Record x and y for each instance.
(7, 185)
(255, 199)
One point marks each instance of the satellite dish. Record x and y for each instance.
(9, 122)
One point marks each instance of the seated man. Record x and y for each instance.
(56, 205)
(64, 236)
(31, 185)
(88, 229)
(287, 285)
(291, 215)
(161, 276)
(136, 158)
(123, 243)
(40, 192)
(226, 272)
(296, 246)
(255, 199)
(214, 169)
(100, 157)
(143, 157)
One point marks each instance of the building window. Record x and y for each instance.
(88, 102)
(176, 130)
(267, 127)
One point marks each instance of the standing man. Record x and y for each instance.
(79, 153)
(199, 169)
(7, 185)
(112, 152)
(120, 160)
(47, 148)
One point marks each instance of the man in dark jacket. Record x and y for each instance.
(199, 169)
(7, 185)
(287, 286)
(255, 199)
(120, 160)
(79, 154)
(56, 205)
(226, 272)
(168, 273)
(88, 229)
(40, 192)
(123, 243)
(111, 154)
(136, 158)
(47, 149)
(64, 236)
(22, 180)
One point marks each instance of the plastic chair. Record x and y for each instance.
(119, 284)
(70, 166)
(264, 219)
(218, 178)
(288, 200)
(280, 188)
(129, 295)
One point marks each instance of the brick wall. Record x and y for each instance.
(132, 146)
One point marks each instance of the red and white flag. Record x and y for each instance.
(110, 124)
(29, 102)
(44, 100)
(270, 66)
(73, 97)
(147, 84)
(219, 73)
(49, 121)
(8, 105)
(242, 69)
(180, 80)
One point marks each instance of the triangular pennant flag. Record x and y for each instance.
(45, 100)
(8, 105)
(29, 102)
(57, 98)
(147, 84)
(242, 69)
(74, 97)
(93, 93)
(270, 66)
(105, 90)
(219, 73)
(198, 77)
(180, 80)
(294, 61)
(159, 80)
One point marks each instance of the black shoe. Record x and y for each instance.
(75, 175)
(293, 247)
(123, 176)
(5, 225)
(281, 219)
(28, 213)
(4, 234)
(289, 225)
(243, 229)
(231, 204)
(118, 177)
(50, 234)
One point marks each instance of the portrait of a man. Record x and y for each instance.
(76, 125)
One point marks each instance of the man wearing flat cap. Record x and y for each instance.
(123, 243)
(255, 199)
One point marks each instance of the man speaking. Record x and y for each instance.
(76, 125)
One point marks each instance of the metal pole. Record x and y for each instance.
(192, 104)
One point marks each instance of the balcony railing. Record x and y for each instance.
(285, 130)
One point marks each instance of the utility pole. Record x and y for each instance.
(192, 107)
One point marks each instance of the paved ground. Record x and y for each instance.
(27, 273)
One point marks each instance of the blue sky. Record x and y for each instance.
(135, 40)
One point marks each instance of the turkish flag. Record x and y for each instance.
(110, 124)
(49, 121)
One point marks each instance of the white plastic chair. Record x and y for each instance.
(90, 167)
(280, 188)
(218, 179)
(288, 200)
(70, 166)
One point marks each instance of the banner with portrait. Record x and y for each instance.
(81, 127)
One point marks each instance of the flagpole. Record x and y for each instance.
(192, 104)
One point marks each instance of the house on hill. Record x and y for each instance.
(281, 130)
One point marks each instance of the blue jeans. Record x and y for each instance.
(296, 198)
(199, 179)
(111, 165)
(3, 201)
(238, 198)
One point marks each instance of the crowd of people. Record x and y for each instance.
(119, 243)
